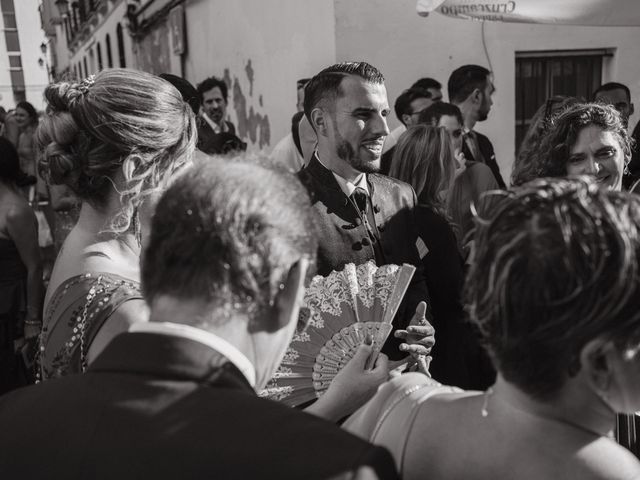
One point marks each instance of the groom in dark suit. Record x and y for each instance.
(175, 397)
(363, 215)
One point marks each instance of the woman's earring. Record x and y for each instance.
(626, 169)
(137, 231)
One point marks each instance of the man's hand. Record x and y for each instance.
(419, 337)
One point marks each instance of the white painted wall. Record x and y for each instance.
(284, 39)
(405, 47)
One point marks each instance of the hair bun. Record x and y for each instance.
(59, 165)
(63, 96)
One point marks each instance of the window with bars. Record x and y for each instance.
(15, 61)
(107, 41)
(9, 21)
(541, 75)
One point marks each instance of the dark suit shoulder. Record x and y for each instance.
(171, 429)
(388, 184)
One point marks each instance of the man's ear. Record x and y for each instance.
(476, 95)
(319, 121)
(631, 109)
(287, 302)
(595, 362)
(406, 118)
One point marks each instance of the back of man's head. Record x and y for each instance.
(325, 86)
(610, 86)
(432, 115)
(403, 102)
(189, 93)
(464, 80)
(426, 83)
(226, 235)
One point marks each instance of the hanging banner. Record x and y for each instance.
(559, 12)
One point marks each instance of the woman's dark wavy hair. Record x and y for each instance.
(557, 264)
(31, 111)
(548, 156)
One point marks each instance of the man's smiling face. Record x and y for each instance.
(358, 123)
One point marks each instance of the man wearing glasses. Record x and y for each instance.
(408, 107)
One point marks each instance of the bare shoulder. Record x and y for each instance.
(19, 212)
(604, 459)
(19, 220)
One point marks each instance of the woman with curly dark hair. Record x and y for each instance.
(584, 138)
(554, 290)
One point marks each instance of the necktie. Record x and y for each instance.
(472, 143)
(360, 198)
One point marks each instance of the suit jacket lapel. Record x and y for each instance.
(330, 193)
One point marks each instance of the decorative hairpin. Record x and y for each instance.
(86, 83)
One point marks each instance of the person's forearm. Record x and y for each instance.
(324, 409)
(35, 294)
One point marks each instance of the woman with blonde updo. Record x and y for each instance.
(115, 140)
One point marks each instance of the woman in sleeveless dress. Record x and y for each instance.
(21, 289)
(554, 290)
(115, 140)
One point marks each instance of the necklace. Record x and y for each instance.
(485, 402)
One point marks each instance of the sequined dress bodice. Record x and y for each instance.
(77, 310)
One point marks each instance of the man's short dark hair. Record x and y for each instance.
(464, 80)
(326, 84)
(403, 102)
(227, 233)
(607, 87)
(427, 83)
(189, 93)
(211, 83)
(302, 82)
(432, 114)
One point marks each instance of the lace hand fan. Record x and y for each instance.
(342, 309)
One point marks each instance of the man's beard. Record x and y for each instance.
(216, 115)
(345, 151)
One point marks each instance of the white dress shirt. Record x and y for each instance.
(220, 345)
(347, 186)
(214, 126)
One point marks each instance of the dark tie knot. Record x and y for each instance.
(360, 197)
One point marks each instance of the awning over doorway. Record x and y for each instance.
(559, 12)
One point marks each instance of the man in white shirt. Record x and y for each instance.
(215, 133)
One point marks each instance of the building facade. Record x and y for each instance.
(24, 64)
(261, 48)
(90, 35)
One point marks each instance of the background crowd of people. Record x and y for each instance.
(180, 261)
